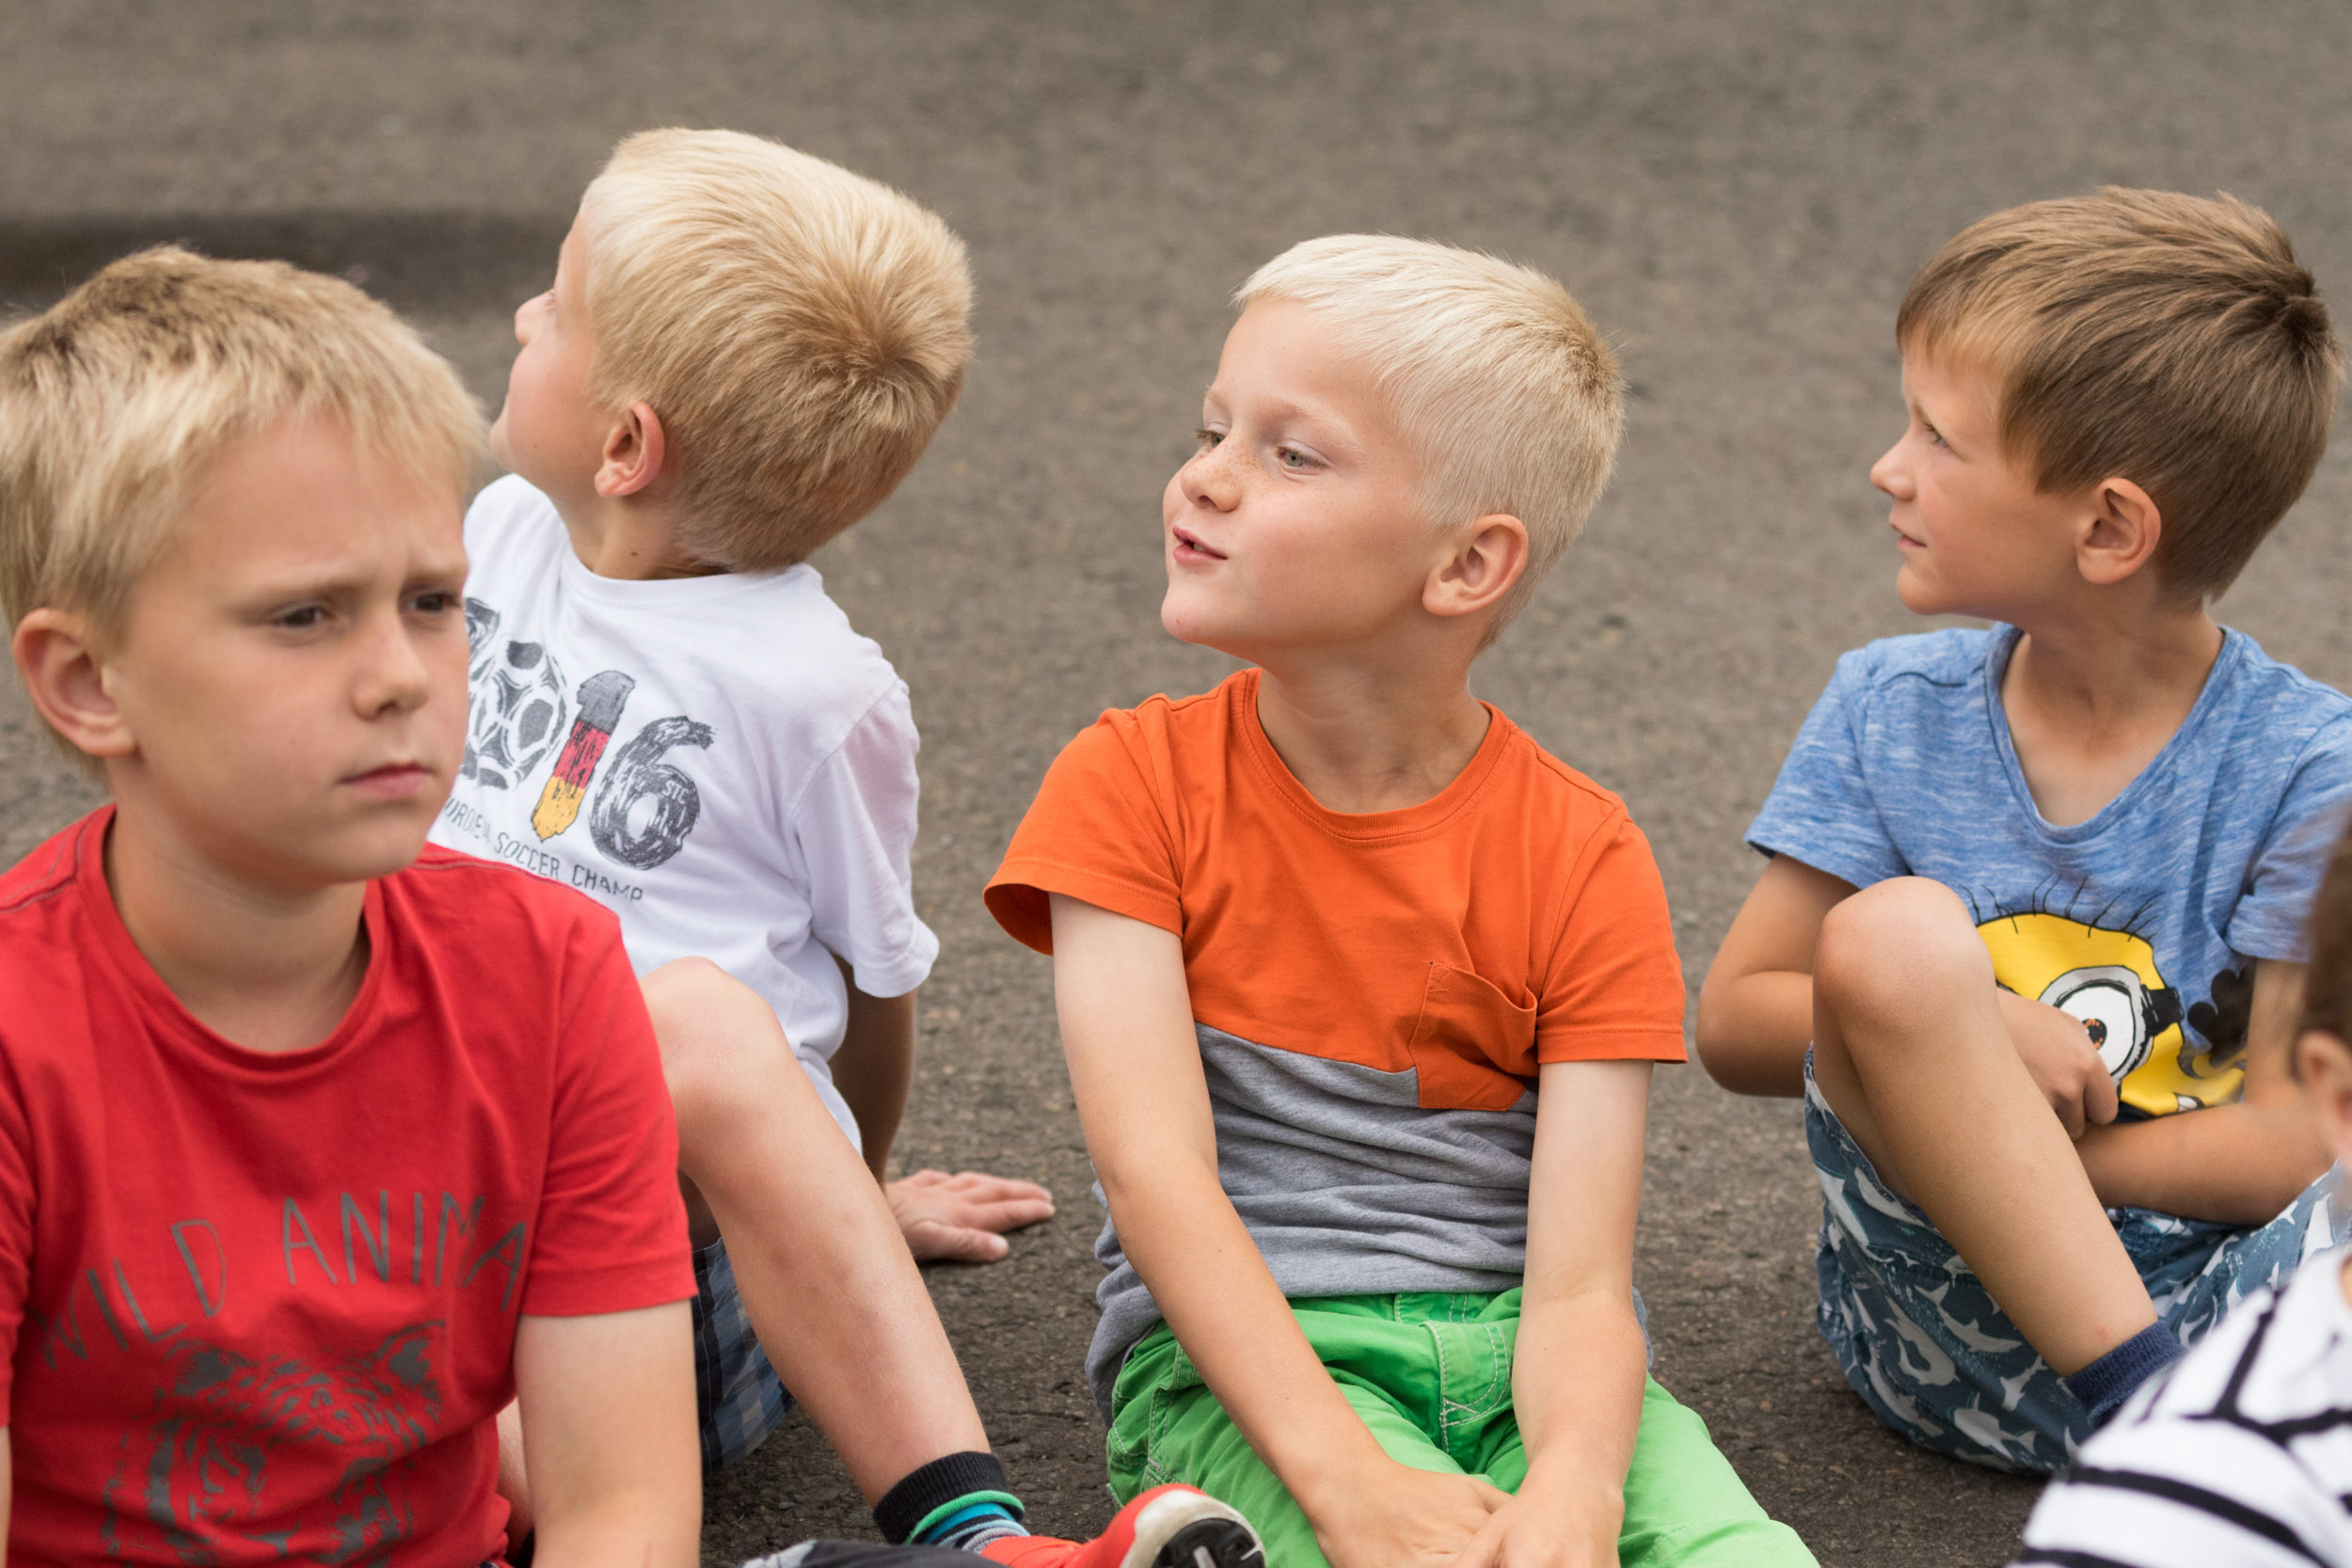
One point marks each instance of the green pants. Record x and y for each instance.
(1430, 1375)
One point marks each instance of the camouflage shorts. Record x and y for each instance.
(1924, 1346)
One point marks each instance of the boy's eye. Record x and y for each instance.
(1292, 459)
(434, 601)
(301, 618)
(1206, 439)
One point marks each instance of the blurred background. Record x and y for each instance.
(1738, 192)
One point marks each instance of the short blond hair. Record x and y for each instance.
(2168, 339)
(115, 399)
(1509, 396)
(800, 331)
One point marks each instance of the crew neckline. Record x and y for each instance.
(182, 1030)
(660, 593)
(2123, 806)
(1424, 817)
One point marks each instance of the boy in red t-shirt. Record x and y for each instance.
(314, 1150)
(1361, 990)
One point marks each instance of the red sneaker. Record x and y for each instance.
(1169, 1527)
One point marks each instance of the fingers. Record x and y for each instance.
(996, 1216)
(2102, 1098)
(933, 1242)
(2068, 1102)
(977, 1184)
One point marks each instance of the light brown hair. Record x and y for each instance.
(1507, 392)
(115, 399)
(2167, 339)
(800, 331)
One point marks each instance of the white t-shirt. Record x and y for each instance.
(721, 760)
(2241, 1454)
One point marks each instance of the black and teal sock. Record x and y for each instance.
(2106, 1383)
(961, 1502)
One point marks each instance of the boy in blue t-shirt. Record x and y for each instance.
(2038, 890)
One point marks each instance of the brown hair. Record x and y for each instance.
(2144, 334)
(801, 332)
(114, 401)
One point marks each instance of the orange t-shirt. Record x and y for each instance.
(1517, 917)
(1372, 993)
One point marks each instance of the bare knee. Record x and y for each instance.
(713, 1031)
(1902, 948)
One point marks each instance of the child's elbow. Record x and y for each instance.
(1731, 1049)
(1713, 1039)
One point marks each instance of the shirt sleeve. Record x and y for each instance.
(1820, 809)
(854, 831)
(16, 1234)
(1095, 832)
(610, 1232)
(2184, 1491)
(1614, 987)
(2269, 918)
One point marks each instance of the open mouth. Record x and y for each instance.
(1188, 545)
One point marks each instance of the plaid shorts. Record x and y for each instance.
(737, 1397)
(1921, 1340)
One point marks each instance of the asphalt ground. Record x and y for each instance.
(1736, 192)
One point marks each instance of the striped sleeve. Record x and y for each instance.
(2248, 1503)
(2205, 1468)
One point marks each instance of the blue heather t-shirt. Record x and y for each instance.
(2146, 920)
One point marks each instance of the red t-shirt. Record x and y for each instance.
(258, 1306)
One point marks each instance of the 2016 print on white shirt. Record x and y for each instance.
(643, 806)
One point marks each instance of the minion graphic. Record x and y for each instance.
(2108, 979)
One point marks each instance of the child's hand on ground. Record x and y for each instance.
(2058, 1051)
(960, 1218)
(1407, 1518)
(1531, 1531)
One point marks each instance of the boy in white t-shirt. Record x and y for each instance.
(2241, 1453)
(745, 349)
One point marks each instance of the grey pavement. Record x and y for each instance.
(1738, 193)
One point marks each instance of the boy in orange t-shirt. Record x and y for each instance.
(1362, 1287)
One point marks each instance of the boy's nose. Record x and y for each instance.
(1889, 474)
(1208, 480)
(396, 677)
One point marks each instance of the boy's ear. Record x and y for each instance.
(1490, 555)
(2121, 534)
(635, 451)
(2324, 1063)
(57, 652)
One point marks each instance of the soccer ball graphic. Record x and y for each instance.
(518, 709)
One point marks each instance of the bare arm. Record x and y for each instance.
(1126, 1021)
(875, 1067)
(608, 1414)
(1578, 1381)
(1756, 1011)
(2239, 1163)
(1756, 1008)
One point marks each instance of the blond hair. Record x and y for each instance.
(115, 399)
(1509, 397)
(2144, 334)
(800, 331)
